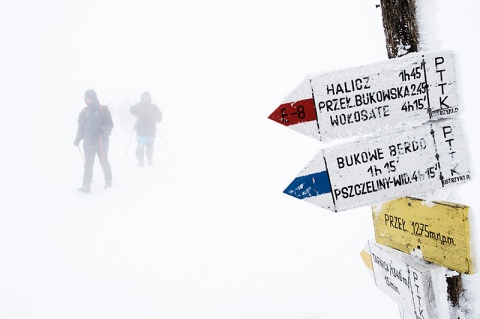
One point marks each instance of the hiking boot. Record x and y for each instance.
(84, 189)
(108, 184)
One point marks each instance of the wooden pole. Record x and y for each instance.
(400, 27)
(402, 37)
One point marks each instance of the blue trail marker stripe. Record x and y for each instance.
(309, 185)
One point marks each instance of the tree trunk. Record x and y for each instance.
(402, 37)
(400, 27)
(454, 289)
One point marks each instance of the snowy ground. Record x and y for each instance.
(206, 232)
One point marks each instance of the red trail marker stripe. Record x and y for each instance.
(292, 113)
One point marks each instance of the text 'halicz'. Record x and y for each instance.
(376, 169)
(402, 92)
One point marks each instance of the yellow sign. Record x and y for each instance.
(438, 232)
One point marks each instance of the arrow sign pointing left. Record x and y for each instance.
(403, 92)
(378, 169)
(299, 112)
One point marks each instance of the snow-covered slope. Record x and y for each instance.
(206, 232)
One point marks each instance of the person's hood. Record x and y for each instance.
(91, 94)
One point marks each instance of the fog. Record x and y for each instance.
(207, 231)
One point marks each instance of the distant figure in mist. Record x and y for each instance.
(148, 115)
(94, 127)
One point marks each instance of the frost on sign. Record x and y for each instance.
(402, 92)
(438, 232)
(385, 167)
(402, 278)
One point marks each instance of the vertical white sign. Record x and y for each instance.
(405, 280)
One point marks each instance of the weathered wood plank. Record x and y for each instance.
(405, 279)
(437, 232)
(400, 27)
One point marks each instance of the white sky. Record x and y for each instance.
(207, 232)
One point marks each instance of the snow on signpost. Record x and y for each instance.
(404, 279)
(384, 167)
(401, 92)
(404, 111)
(437, 232)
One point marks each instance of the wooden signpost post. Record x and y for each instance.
(407, 107)
(402, 37)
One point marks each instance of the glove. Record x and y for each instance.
(76, 142)
(100, 130)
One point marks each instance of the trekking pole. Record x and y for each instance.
(163, 141)
(83, 158)
(131, 138)
(101, 152)
(102, 157)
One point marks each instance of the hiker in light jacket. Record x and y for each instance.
(148, 115)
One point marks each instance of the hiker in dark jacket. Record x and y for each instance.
(94, 127)
(148, 115)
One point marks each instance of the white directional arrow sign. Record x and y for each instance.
(385, 167)
(398, 93)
